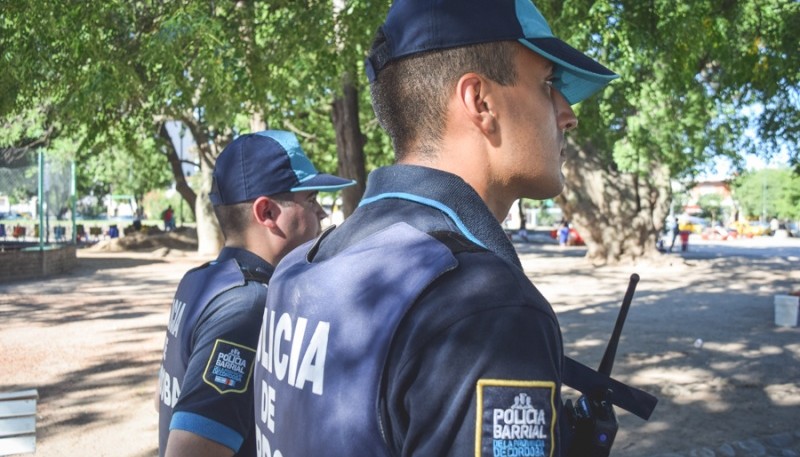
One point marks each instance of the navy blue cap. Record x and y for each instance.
(267, 163)
(416, 26)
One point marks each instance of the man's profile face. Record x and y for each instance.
(533, 116)
(300, 218)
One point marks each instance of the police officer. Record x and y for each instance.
(412, 329)
(265, 199)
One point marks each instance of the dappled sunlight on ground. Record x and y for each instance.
(700, 335)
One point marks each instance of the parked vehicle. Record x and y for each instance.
(11, 216)
(719, 233)
(692, 224)
(753, 228)
(574, 238)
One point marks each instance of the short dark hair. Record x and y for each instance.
(283, 199)
(233, 218)
(410, 95)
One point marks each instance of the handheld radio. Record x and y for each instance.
(592, 420)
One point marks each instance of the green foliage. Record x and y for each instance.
(710, 206)
(106, 74)
(155, 202)
(140, 63)
(768, 193)
(688, 71)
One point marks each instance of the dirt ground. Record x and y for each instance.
(90, 342)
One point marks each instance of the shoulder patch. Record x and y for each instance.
(515, 418)
(229, 367)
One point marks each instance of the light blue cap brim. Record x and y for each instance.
(575, 83)
(322, 182)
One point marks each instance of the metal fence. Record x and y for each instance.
(41, 194)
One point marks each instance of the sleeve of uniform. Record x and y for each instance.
(216, 399)
(475, 370)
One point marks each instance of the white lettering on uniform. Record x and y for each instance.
(263, 448)
(302, 363)
(175, 316)
(260, 353)
(268, 406)
(282, 331)
(297, 342)
(313, 366)
(170, 388)
(516, 423)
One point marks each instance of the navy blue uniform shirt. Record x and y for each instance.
(206, 375)
(472, 368)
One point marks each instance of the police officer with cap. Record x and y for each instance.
(265, 199)
(412, 329)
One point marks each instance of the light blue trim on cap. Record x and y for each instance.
(332, 188)
(575, 84)
(206, 428)
(301, 165)
(531, 20)
(428, 202)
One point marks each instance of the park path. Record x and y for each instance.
(90, 341)
(738, 393)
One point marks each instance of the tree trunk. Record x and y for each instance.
(209, 235)
(349, 143)
(186, 192)
(619, 215)
(257, 123)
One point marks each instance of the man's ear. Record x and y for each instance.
(266, 211)
(473, 97)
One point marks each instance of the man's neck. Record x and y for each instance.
(470, 164)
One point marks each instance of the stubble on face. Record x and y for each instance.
(534, 154)
(301, 218)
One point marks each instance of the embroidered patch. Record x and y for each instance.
(515, 418)
(229, 367)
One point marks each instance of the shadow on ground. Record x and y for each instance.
(700, 335)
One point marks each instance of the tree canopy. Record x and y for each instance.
(692, 74)
(104, 77)
(768, 193)
(110, 74)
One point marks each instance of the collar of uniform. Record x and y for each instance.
(447, 193)
(246, 259)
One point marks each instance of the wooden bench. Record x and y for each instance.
(18, 422)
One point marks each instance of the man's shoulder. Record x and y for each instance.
(483, 290)
(482, 281)
(484, 267)
(248, 296)
(236, 301)
(236, 312)
(378, 216)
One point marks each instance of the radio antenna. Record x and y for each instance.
(611, 350)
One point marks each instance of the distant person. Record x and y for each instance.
(684, 240)
(412, 329)
(674, 228)
(265, 198)
(563, 234)
(168, 215)
(774, 225)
